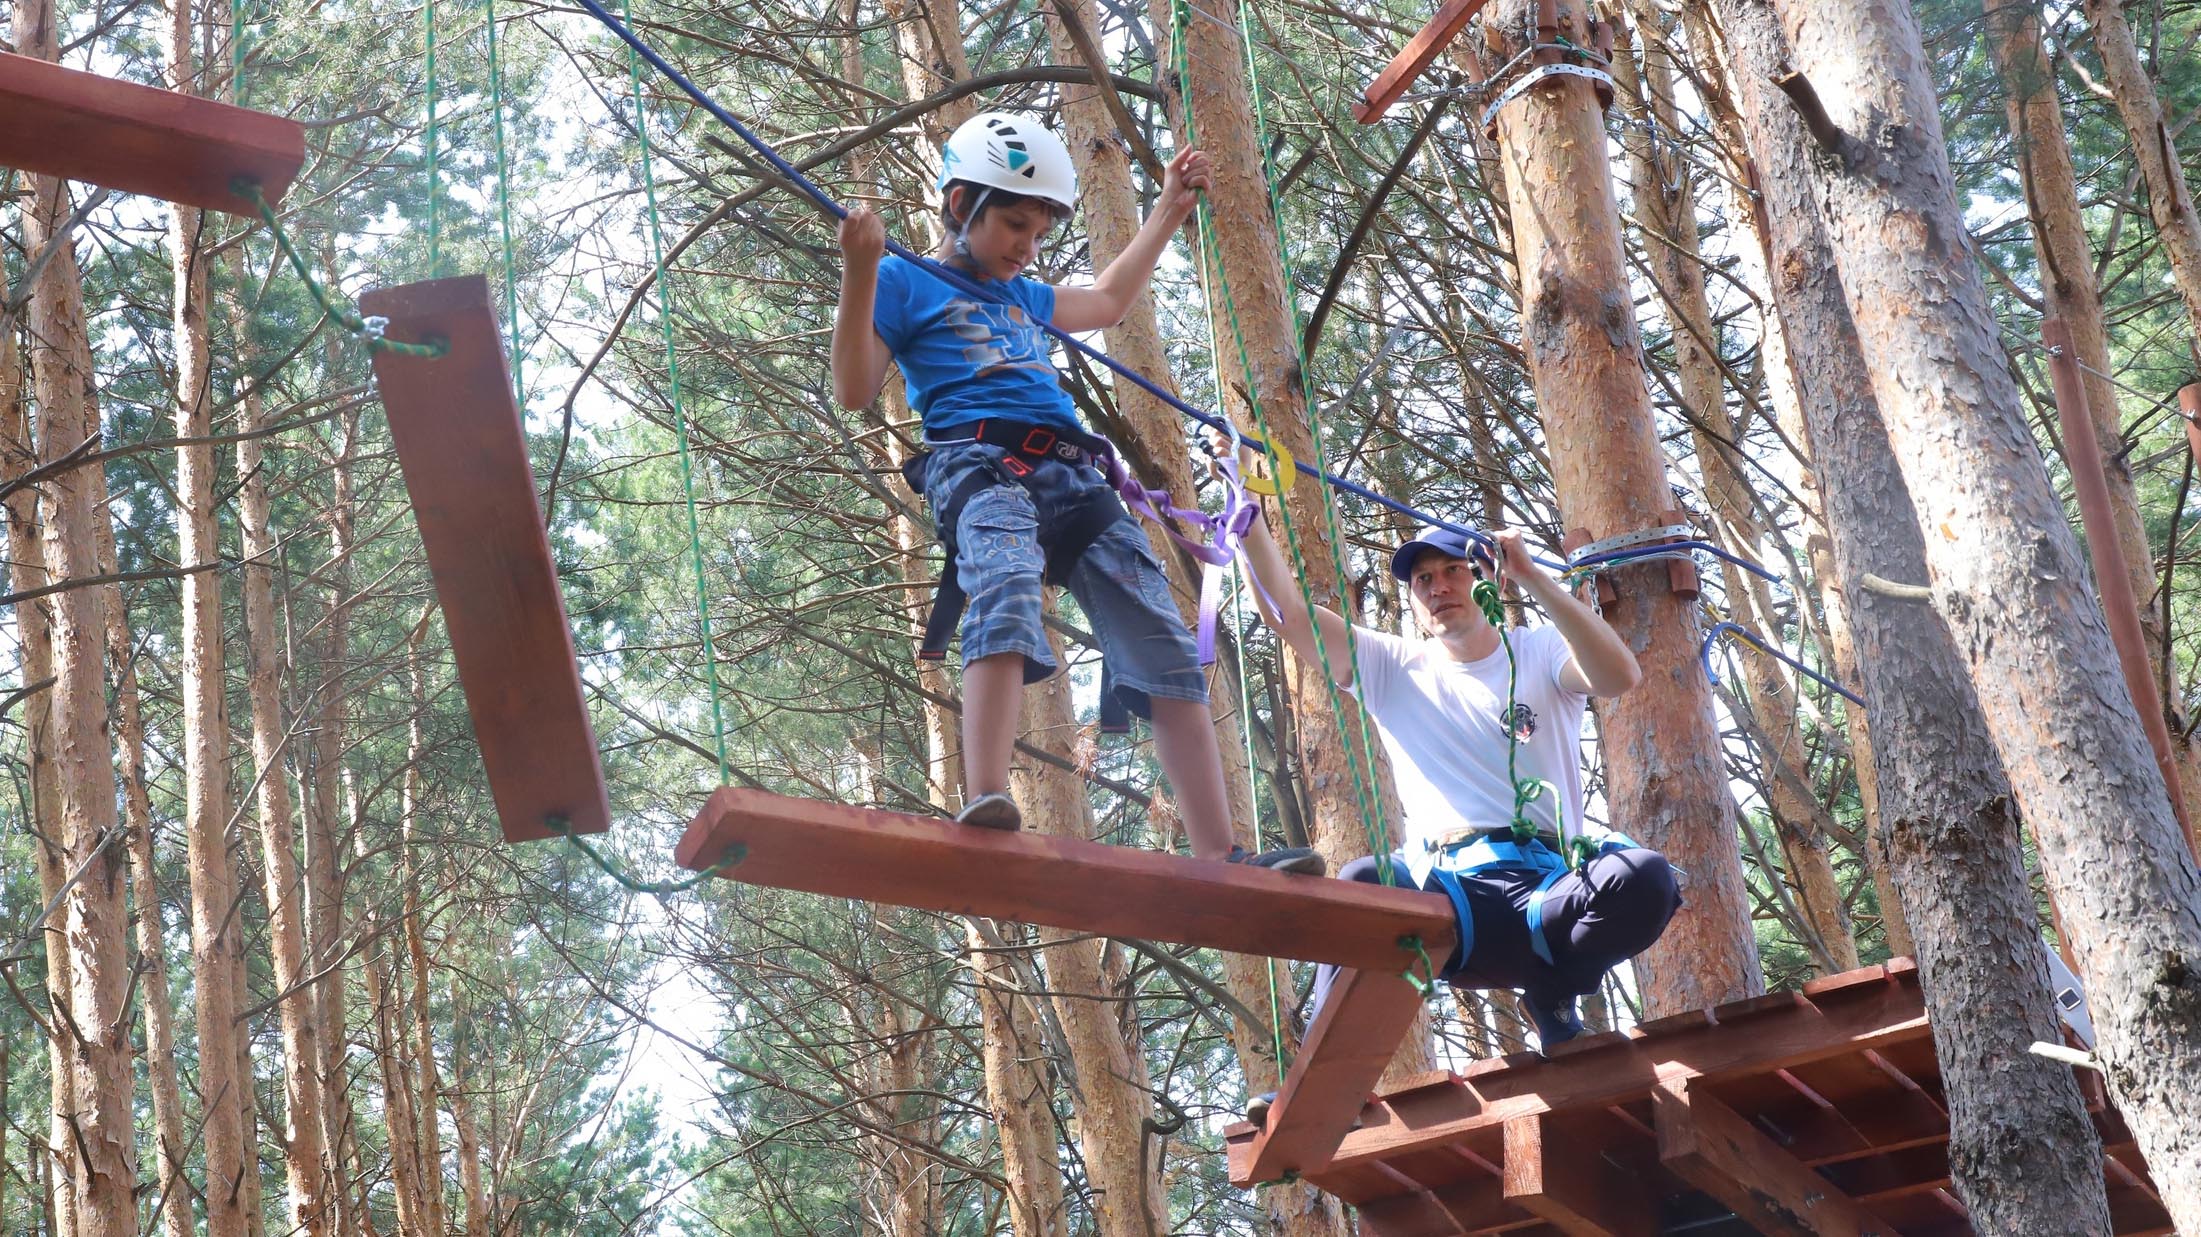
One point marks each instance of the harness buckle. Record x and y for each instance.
(1016, 465)
(1039, 440)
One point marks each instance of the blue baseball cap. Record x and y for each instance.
(1444, 541)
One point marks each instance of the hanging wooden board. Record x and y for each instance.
(56, 121)
(464, 453)
(936, 864)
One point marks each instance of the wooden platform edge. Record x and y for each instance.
(58, 121)
(464, 454)
(841, 850)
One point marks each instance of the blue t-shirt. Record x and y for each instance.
(965, 360)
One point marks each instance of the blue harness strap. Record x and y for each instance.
(1536, 939)
(1449, 883)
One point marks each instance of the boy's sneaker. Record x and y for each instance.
(1556, 1020)
(992, 810)
(1298, 860)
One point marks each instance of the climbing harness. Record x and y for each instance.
(1473, 852)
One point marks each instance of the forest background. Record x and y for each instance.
(432, 1031)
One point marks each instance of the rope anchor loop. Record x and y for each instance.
(368, 331)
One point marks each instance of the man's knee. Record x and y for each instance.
(1637, 874)
(1368, 870)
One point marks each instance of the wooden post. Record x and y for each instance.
(1665, 778)
(2119, 606)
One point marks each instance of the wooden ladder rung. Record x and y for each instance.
(56, 121)
(935, 864)
(464, 453)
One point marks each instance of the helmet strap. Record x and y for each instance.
(963, 225)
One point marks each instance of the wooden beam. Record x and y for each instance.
(137, 139)
(1340, 1062)
(935, 864)
(1422, 51)
(1707, 1144)
(1556, 1169)
(1889, 1011)
(464, 454)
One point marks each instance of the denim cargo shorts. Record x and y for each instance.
(1118, 581)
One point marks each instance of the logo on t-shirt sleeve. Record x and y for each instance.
(999, 337)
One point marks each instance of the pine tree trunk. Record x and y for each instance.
(1666, 781)
(2021, 1149)
(1018, 1092)
(1113, 1108)
(34, 635)
(172, 1145)
(1152, 437)
(93, 1018)
(1218, 116)
(1665, 207)
(2170, 201)
(2066, 267)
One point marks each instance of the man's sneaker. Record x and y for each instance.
(1298, 860)
(992, 810)
(1556, 1021)
(1257, 1108)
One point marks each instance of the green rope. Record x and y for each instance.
(435, 180)
(1426, 982)
(1253, 790)
(368, 333)
(680, 415)
(504, 199)
(1490, 600)
(1379, 843)
(734, 855)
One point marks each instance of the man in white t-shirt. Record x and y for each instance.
(1530, 919)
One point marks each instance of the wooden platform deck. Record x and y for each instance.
(1812, 1112)
(935, 864)
(56, 121)
(464, 454)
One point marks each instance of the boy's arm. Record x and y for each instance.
(859, 356)
(1288, 618)
(1103, 305)
(1601, 663)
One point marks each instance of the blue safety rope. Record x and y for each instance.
(1704, 655)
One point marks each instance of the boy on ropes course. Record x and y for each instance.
(1484, 729)
(1015, 484)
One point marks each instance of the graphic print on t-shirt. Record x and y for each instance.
(1520, 720)
(1001, 337)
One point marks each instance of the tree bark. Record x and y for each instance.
(1152, 437)
(1019, 1092)
(1218, 114)
(93, 1019)
(2065, 257)
(2170, 201)
(172, 1146)
(34, 635)
(1666, 209)
(1112, 1103)
(2020, 1146)
(1666, 780)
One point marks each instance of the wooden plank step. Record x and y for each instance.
(1419, 53)
(464, 454)
(1340, 1062)
(56, 121)
(938, 865)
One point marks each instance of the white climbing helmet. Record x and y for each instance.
(1002, 150)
